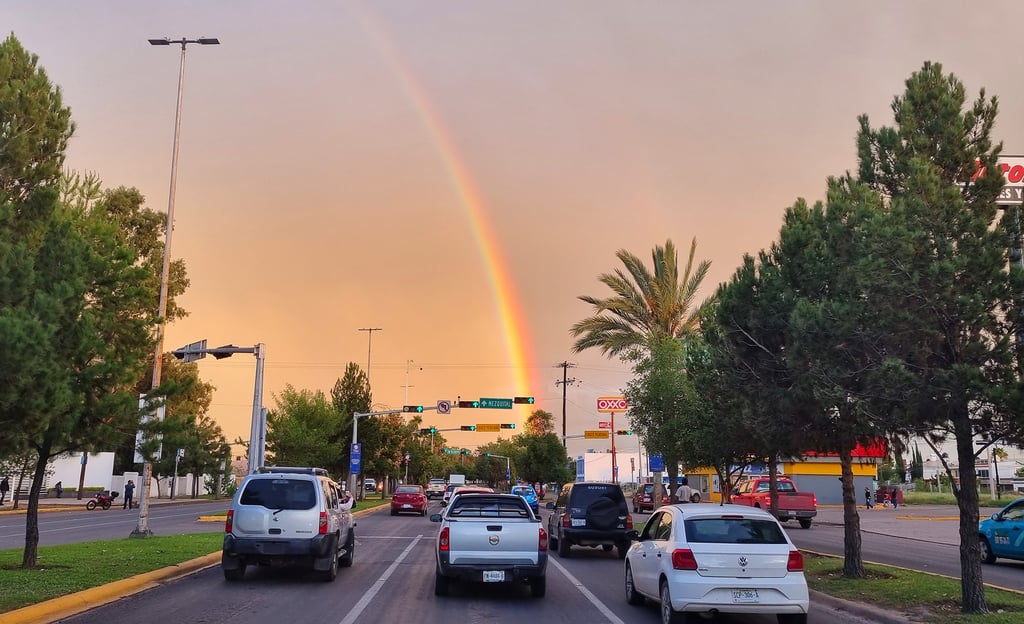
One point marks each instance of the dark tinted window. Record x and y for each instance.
(409, 489)
(733, 531)
(482, 506)
(280, 494)
(583, 494)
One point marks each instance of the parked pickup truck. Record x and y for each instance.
(793, 505)
(490, 538)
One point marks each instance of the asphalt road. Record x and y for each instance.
(392, 579)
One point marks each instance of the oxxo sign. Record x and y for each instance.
(612, 404)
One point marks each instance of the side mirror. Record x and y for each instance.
(633, 536)
(550, 505)
(996, 517)
(435, 517)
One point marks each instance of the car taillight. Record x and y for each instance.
(796, 561)
(565, 520)
(323, 523)
(629, 521)
(683, 559)
(543, 545)
(230, 521)
(442, 540)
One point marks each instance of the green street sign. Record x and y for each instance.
(496, 403)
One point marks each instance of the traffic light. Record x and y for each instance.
(468, 428)
(467, 452)
(425, 431)
(413, 408)
(523, 400)
(488, 454)
(623, 432)
(469, 404)
(508, 425)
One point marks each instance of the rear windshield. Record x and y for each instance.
(733, 531)
(477, 506)
(584, 495)
(408, 489)
(279, 494)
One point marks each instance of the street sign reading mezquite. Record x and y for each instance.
(612, 404)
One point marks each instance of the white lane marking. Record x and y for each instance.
(614, 619)
(354, 614)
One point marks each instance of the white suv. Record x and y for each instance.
(296, 516)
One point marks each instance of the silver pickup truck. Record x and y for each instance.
(490, 538)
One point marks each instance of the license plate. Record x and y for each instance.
(407, 506)
(790, 513)
(494, 576)
(744, 595)
(579, 522)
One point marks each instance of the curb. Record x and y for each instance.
(861, 610)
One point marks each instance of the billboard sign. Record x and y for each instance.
(612, 404)
(1013, 174)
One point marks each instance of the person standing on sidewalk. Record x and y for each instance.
(5, 487)
(129, 490)
(867, 498)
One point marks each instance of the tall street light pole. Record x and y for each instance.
(142, 529)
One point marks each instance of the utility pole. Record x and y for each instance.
(565, 381)
(369, 342)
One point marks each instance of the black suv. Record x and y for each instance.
(590, 514)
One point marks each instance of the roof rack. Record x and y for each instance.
(293, 470)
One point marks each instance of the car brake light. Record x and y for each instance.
(565, 520)
(543, 545)
(796, 561)
(323, 523)
(442, 540)
(629, 521)
(229, 524)
(683, 559)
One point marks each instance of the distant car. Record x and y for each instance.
(529, 495)
(643, 500)
(435, 488)
(704, 559)
(409, 499)
(370, 485)
(448, 493)
(1002, 533)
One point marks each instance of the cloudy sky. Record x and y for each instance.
(458, 173)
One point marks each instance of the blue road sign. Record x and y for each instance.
(656, 463)
(356, 460)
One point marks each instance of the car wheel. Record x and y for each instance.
(987, 556)
(394, 512)
(330, 573)
(668, 615)
(350, 550)
(695, 497)
(424, 512)
(623, 549)
(440, 584)
(563, 547)
(607, 547)
(792, 618)
(234, 574)
(633, 597)
(805, 523)
(538, 586)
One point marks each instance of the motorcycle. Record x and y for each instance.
(101, 500)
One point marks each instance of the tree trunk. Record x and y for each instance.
(31, 554)
(853, 562)
(971, 583)
(672, 466)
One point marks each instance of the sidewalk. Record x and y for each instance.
(70, 503)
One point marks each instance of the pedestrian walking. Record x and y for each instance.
(895, 498)
(59, 488)
(684, 492)
(867, 498)
(5, 487)
(129, 490)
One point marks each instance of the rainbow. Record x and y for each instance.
(513, 319)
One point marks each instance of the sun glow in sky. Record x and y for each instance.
(457, 174)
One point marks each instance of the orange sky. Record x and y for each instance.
(458, 173)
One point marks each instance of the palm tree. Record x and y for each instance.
(646, 305)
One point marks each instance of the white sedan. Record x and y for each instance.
(696, 559)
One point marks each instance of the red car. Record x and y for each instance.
(409, 498)
(644, 498)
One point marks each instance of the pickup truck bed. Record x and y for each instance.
(490, 538)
